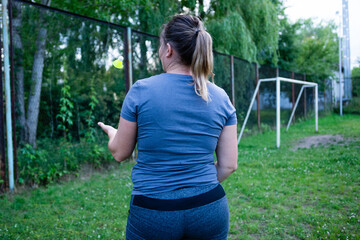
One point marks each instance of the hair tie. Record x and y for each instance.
(197, 31)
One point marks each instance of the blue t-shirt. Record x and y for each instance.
(177, 133)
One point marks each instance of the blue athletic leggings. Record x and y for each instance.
(210, 221)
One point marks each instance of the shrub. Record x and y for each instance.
(54, 158)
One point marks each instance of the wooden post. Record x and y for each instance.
(257, 97)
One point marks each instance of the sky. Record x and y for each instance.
(326, 10)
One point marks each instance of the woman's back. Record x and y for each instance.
(177, 132)
(178, 119)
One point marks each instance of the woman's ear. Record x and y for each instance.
(169, 50)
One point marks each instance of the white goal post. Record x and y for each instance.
(278, 80)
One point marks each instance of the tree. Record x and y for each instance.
(289, 44)
(318, 50)
(36, 78)
(19, 73)
(28, 124)
(246, 28)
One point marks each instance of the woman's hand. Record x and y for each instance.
(109, 130)
(121, 141)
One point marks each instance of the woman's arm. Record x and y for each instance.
(226, 152)
(121, 141)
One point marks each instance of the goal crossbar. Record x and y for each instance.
(278, 80)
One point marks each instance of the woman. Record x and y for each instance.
(178, 119)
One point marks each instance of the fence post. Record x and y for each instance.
(128, 66)
(9, 131)
(257, 97)
(232, 85)
(325, 109)
(304, 97)
(313, 90)
(278, 111)
(293, 94)
(12, 82)
(127, 59)
(4, 183)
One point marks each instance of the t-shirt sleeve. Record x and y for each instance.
(130, 107)
(230, 112)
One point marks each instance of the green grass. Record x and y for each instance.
(275, 193)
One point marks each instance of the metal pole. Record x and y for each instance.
(2, 134)
(12, 81)
(340, 79)
(127, 61)
(340, 66)
(293, 92)
(8, 96)
(346, 49)
(232, 84)
(277, 112)
(128, 29)
(316, 108)
(258, 98)
(325, 103)
(305, 107)
(289, 80)
(128, 66)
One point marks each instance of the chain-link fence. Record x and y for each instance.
(63, 65)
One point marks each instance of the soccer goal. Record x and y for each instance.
(278, 80)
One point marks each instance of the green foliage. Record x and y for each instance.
(318, 52)
(288, 44)
(66, 107)
(54, 159)
(35, 168)
(308, 48)
(90, 121)
(255, 37)
(355, 78)
(353, 107)
(238, 40)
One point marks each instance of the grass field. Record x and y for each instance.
(310, 193)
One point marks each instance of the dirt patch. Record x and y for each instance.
(320, 140)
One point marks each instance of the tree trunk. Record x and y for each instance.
(36, 81)
(19, 70)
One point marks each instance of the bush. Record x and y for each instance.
(54, 158)
(352, 107)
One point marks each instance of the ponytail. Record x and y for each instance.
(194, 45)
(202, 63)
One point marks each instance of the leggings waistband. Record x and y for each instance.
(179, 204)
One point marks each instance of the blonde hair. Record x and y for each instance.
(193, 43)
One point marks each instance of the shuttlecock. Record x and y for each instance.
(118, 63)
